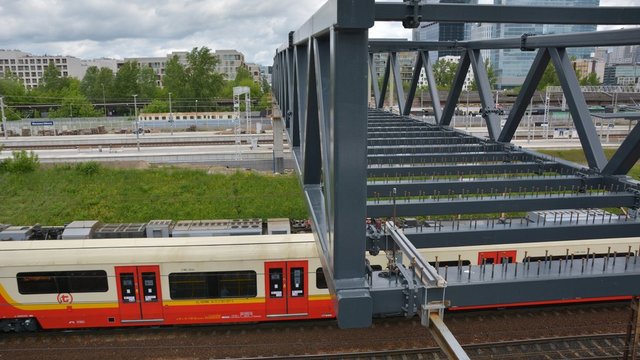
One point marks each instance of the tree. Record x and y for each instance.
(52, 80)
(156, 106)
(147, 86)
(74, 104)
(204, 82)
(549, 78)
(13, 91)
(126, 81)
(590, 80)
(444, 72)
(175, 78)
(97, 84)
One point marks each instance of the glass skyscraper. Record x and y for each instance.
(512, 65)
(433, 31)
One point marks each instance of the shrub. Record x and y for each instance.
(88, 168)
(21, 162)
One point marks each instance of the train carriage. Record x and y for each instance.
(172, 281)
(63, 284)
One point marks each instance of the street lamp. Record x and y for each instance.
(135, 112)
(196, 114)
(170, 115)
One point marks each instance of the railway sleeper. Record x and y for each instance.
(19, 325)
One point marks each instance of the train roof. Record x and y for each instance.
(156, 250)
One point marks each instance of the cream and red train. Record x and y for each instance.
(63, 284)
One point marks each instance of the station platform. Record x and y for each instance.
(157, 155)
(147, 139)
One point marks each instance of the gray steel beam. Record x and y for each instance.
(385, 83)
(578, 108)
(397, 80)
(340, 14)
(378, 135)
(456, 89)
(445, 338)
(428, 149)
(598, 38)
(527, 90)
(376, 45)
(478, 186)
(433, 87)
(347, 173)
(489, 111)
(420, 141)
(289, 90)
(387, 11)
(299, 93)
(626, 156)
(413, 86)
(447, 158)
(464, 169)
(496, 204)
(315, 110)
(548, 281)
(464, 233)
(374, 80)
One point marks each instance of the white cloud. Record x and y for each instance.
(125, 28)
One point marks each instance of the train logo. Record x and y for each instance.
(65, 298)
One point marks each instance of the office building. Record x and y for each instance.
(512, 65)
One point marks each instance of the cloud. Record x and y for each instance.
(123, 28)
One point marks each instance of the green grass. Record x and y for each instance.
(577, 156)
(61, 194)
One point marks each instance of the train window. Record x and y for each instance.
(149, 287)
(213, 285)
(52, 282)
(128, 287)
(321, 281)
(297, 282)
(275, 283)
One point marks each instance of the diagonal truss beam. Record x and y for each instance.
(456, 89)
(626, 156)
(415, 77)
(578, 107)
(385, 83)
(433, 87)
(540, 63)
(397, 80)
(489, 111)
(374, 80)
(311, 173)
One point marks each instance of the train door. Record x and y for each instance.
(139, 295)
(286, 288)
(496, 257)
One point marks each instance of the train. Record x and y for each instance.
(101, 283)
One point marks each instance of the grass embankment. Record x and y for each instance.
(61, 194)
(577, 156)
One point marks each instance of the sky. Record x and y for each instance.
(90, 29)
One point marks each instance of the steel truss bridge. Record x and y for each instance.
(355, 162)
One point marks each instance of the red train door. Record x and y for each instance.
(496, 257)
(286, 288)
(139, 295)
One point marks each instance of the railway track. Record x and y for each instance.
(594, 331)
(604, 346)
